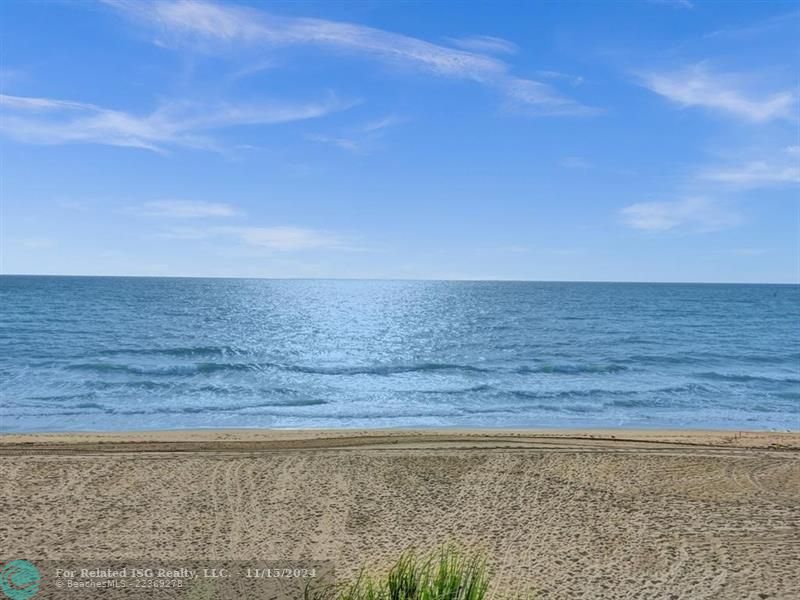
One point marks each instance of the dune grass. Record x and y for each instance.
(446, 574)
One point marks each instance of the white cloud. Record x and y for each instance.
(767, 169)
(755, 174)
(533, 97)
(269, 239)
(485, 43)
(226, 23)
(357, 139)
(51, 121)
(185, 209)
(206, 22)
(697, 86)
(758, 28)
(571, 79)
(697, 214)
(380, 124)
(43, 104)
(285, 239)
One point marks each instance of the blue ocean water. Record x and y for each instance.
(84, 353)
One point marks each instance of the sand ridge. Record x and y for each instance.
(593, 514)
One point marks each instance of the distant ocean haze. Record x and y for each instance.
(86, 353)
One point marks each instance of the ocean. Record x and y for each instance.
(119, 353)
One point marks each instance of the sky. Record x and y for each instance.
(603, 141)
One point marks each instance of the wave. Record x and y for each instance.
(699, 357)
(175, 370)
(762, 358)
(130, 384)
(199, 368)
(691, 388)
(384, 369)
(187, 351)
(646, 401)
(558, 408)
(89, 405)
(483, 390)
(468, 390)
(64, 397)
(740, 378)
(172, 386)
(236, 408)
(339, 416)
(572, 369)
(210, 367)
(656, 359)
(177, 410)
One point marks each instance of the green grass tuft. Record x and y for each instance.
(447, 574)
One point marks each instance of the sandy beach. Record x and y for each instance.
(559, 514)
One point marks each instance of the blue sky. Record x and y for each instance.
(617, 141)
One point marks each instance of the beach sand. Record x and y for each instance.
(559, 514)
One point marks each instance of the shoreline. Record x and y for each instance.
(273, 438)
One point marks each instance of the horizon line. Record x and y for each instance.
(408, 279)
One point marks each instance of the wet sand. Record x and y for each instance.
(559, 514)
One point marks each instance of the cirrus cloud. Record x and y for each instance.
(53, 121)
(697, 86)
(696, 214)
(755, 174)
(485, 43)
(199, 22)
(285, 238)
(185, 209)
(279, 238)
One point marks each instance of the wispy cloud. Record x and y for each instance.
(787, 20)
(698, 86)
(43, 104)
(766, 169)
(533, 97)
(755, 174)
(559, 76)
(199, 21)
(696, 214)
(357, 139)
(380, 124)
(285, 239)
(272, 239)
(185, 209)
(485, 44)
(53, 121)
